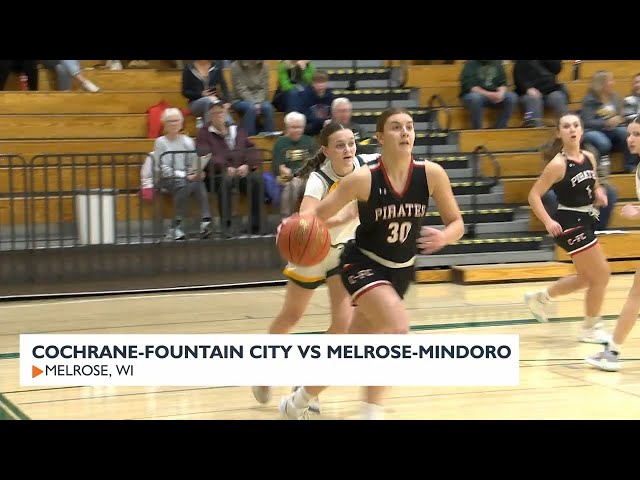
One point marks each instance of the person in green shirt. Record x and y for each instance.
(483, 83)
(290, 153)
(293, 76)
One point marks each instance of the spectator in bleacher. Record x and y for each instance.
(290, 153)
(341, 112)
(315, 102)
(113, 65)
(182, 173)
(293, 77)
(27, 68)
(138, 64)
(66, 71)
(234, 162)
(632, 102)
(203, 84)
(118, 64)
(537, 86)
(602, 115)
(250, 80)
(483, 83)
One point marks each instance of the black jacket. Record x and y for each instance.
(193, 85)
(540, 74)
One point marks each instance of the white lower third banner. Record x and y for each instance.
(276, 360)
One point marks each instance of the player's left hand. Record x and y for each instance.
(601, 197)
(430, 240)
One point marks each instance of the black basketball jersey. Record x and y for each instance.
(390, 221)
(576, 189)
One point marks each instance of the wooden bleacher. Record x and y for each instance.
(622, 259)
(108, 102)
(530, 164)
(516, 190)
(114, 121)
(504, 140)
(29, 148)
(450, 92)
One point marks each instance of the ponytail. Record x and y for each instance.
(312, 164)
(552, 149)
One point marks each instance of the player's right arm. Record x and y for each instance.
(552, 173)
(344, 216)
(315, 191)
(354, 186)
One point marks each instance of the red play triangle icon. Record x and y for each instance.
(35, 371)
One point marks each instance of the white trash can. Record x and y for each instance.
(96, 216)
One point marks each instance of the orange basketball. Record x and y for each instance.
(303, 240)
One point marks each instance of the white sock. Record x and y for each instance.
(544, 295)
(591, 322)
(301, 398)
(372, 411)
(614, 347)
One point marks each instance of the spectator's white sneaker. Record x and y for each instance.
(178, 234)
(205, 229)
(89, 86)
(114, 64)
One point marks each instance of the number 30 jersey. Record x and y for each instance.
(390, 221)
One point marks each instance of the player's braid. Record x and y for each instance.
(312, 164)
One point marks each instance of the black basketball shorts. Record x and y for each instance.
(360, 273)
(578, 231)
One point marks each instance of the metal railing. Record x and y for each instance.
(14, 204)
(447, 110)
(477, 154)
(72, 200)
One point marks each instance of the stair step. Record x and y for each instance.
(346, 84)
(424, 145)
(477, 187)
(493, 198)
(384, 104)
(364, 116)
(518, 226)
(338, 64)
(342, 74)
(460, 174)
(475, 216)
(499, 245)
(370, 128)
(451, 162)
(424, 261)
(377, 94)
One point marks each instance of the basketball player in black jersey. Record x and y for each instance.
(572, 174)
(608, 360)
(378, 265)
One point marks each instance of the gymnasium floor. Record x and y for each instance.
(555, 383)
